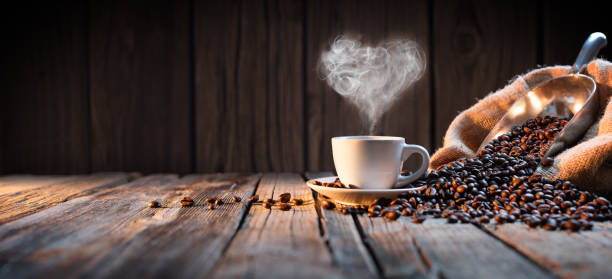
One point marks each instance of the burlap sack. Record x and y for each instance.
(588, 163)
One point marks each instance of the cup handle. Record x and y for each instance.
(408, 150)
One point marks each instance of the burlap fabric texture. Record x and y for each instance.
(588, 163)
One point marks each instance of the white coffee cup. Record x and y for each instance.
(375, 162)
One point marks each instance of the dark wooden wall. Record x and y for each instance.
(201, 86)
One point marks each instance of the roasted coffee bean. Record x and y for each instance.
(211, 206)
(392, 215)
(284, 206)
(236, 199)
(186, 201)
(328, 205)
(285, 197)
(483, 220)
(153, 204)
(267, 205)
(418, 218)
(211, 200)
(219, 202)
(550, 225)
(452, 219)
(373, 213)
(406, 211)
(572, 225)
(270, 201)
(298, 201)
(254, 198)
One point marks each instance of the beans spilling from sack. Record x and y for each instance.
(499, 184)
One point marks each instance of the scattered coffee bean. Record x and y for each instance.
(211, 206)
(236, 199)
(328, 205)
(254, 198)
(392, 215)
(270, 201)
(267, 205)
(550, 225)
(284, 206)
(186, 201)
(285, 197)
(298, 201)
(153, 204)
(218, 202)
(211, 200)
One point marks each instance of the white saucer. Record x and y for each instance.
(355, 196)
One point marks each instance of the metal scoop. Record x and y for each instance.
(573, 94)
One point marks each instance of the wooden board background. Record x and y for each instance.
(202, 86)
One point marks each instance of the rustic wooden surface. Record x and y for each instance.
(229, 85)
(99, 226)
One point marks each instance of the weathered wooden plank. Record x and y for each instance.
(44, 113)
(344, 240)
(464, 251)
(114, 234)
(328, 114)
(560, 46)
(140, 86)
(273, 243)
(393, 247)
(478, 47)
(16, 203)
(249, 85)
(569, 255)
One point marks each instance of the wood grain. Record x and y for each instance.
(140, 86)
(328, 114)
(464, 251)
(249, 93)
(114, 234)
(569, 255)
(21, 196)
(44, 115)
(393, 247)
(273, 243)
(344, 240)
(478, 47)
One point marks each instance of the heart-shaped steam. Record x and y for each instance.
(371, 78)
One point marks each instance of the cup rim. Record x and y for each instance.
(369, 138)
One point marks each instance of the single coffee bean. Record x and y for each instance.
(392, 215)
(328, 205)
(236, 199)
(153, 204)
(254, 198)
(298, 201)
(572, 225)
(270, 201)
(284, 206)
(211, 200)
(550, 225)
(373, 213)
(211, 206)
(285, 197)
(483, 220)
(218, 202)
(418, 218)
(452, 219)
(267, 205)
(186, 201)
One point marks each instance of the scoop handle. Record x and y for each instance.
(589, 50)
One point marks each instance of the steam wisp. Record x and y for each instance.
(371, 78)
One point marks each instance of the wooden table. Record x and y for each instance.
(99, 225)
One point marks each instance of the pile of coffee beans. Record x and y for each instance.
(499, 185)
